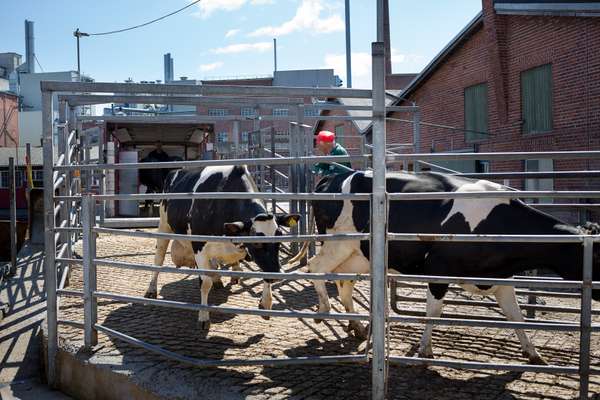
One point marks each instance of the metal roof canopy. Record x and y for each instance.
(148, 133)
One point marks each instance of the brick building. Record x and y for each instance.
(521, 76)
(9, 119)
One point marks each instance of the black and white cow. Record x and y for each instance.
(479, 216)
(217, 217)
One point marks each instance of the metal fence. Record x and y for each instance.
(72, 214)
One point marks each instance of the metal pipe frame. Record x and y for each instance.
(213, 163)
(499, 156)
(231, 310)
(90, 306)
(494, 195)
(198, 119)
(236, 239)
(273, 362)
(204, 90)
(240, 274)
(229, 195)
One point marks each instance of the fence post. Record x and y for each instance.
(90, 337)
(272, 170)
(49, 243)
(586, 318)
(13, 215)
(378, 225)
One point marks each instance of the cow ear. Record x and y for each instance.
(234, 228)
(289, 220)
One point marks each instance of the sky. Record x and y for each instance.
(228, 38)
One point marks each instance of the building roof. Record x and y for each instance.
(571, 8)
(361, 125)
(37, 158)
(473, 26)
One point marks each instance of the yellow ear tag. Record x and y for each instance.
(292, 223)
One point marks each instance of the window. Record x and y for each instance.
(217, 112)
(536, 99)
(339, 134)
(4, 183)
(542, 165)
(280, 112)
(311, 112)
(476, 113)
(482, 166)
(222, 137)
(38, 177)
(244, 137)
(247, 112)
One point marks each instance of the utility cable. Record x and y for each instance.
(146, 23)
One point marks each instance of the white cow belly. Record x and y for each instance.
(474, 289)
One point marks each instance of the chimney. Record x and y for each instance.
(29, 47)
(168, 67)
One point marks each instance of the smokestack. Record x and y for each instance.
(386, 37)
(29, 47)
(274, 55)
(168, 67)
(348, 48)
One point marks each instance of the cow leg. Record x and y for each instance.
(328, 259)
(159, 255)
(434, 309)
(235, 267)
(505, 296)
(202, 261)
(266, 301)
(345, 290)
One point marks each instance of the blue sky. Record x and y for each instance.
(219, 38)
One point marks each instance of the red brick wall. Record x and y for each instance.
(571, 45)
(9, 113)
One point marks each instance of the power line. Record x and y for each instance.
(146, 23)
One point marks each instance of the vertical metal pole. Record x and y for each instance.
(272, 170)
(378, 221)
(102, 173)
(29, 180)
(294, 175)
(236, 138)
(49, 244)
(586, 318)
(63, 134)
(90, 336)
(416, 137)
(90, 173)
(348, 47)
(302, 187)
(13, 215)
(78, 59)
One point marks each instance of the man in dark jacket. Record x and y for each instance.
(327, 146)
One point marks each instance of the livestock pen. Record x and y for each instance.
(106, 277)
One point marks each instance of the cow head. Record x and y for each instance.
(266, 255)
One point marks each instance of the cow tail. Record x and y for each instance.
(304, 249)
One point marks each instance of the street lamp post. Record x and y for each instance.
(79, 34)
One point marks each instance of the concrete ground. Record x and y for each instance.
(20, 330)
(252, 337)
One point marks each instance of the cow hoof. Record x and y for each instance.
(537, 360)
(360, 332)
(235, 281)
(204, 325)
(150, 294)
(318, 321)
(265, 317)
(425, 353)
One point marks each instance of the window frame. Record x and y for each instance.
(479, 137)
(524, 125)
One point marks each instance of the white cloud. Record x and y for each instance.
(244, 47)
(231, 33)
(308, 17)
(207, 7)
(361, 66)
(211, 66)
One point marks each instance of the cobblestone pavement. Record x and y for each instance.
(252, 337)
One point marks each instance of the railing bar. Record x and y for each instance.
(430, 237)
(488, 281)
(231, 363)
(498, 194)
(567, 327)
(73, 324)
(232, 310)
(552, 369)
(205, 163)
(69, 292)
(241, 274)
(235, 239)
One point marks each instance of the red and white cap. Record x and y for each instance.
(326, 136)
